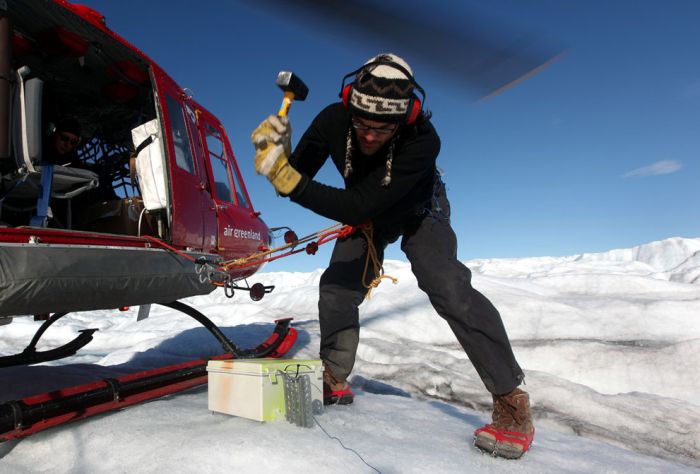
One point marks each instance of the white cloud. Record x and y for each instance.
(658, 168)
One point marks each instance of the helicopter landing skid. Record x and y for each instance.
(31, 356)
(20, 418)
(263, 350)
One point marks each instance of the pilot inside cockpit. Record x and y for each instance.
(63, 144)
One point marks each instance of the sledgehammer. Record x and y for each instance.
(293, 88)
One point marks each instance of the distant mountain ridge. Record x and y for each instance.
(662, 255)
(675, 259)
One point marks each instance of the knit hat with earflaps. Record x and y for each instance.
(382, 92)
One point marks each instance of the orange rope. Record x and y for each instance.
(312, 243)
(368, 232)
(160, 243)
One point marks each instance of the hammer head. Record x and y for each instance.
(290, 82)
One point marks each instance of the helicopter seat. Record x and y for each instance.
(33, 184)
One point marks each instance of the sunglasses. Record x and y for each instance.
(361, 127)
(68, 139)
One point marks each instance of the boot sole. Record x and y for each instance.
(496, 449)
(345, 399)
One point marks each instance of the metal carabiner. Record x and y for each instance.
(228, 288)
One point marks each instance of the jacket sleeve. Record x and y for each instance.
(313, 148)
(413, 162)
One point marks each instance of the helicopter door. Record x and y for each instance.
(239, 232)
(191, 199)
(208, 207)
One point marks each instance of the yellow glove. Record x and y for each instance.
(272, 140)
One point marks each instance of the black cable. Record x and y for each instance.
(346, 448)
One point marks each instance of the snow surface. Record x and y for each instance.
(609, 343)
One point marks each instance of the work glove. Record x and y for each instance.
(272, 140)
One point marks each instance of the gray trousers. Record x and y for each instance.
(431, 247)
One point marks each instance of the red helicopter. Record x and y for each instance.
(155, 210)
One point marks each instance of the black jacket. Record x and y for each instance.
(364, 198)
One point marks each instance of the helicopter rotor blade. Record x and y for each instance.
(477, 54)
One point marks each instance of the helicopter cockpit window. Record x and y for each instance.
(181, 141)
(239, 195)
(219, 165)
(216, 148)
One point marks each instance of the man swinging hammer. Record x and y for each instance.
(382, 142)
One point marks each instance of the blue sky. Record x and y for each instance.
(598, 151)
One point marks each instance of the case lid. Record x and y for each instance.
(264, 366)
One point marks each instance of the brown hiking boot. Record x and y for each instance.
(511, 432)
(335, 391)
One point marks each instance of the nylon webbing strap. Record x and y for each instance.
(132, 160)
(132, 172)
(23, 121)
(143, 145)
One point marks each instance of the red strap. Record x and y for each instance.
(503, 436)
